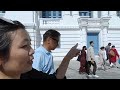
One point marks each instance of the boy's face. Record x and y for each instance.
(92, 44)
(53, 42)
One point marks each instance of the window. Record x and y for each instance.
(2, 13)
(70, 13)
(51, 14)
(85, 13)
(118, 13)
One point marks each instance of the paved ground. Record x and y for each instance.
(72, 71)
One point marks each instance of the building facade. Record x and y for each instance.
(79, 27)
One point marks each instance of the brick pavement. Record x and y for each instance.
(72, 71)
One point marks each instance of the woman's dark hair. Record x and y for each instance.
(84, 47)
(50, 33)
(113, 46)
(6, 27)
(102, 47)
(109, 44)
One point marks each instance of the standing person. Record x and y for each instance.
(16, 54)
(91, 60)
(43, 59)
(113, 54)
(59, 73)
(107, 48)
(102, 57)
(83, 60)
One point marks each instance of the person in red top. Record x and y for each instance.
(83, 61)
(113, 58)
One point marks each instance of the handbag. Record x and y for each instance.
(78, 59)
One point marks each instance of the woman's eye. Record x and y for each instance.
(24, 46)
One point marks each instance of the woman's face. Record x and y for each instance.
(21, 54)
(85, 48)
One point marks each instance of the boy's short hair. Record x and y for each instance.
(50, 33)
(91, 42)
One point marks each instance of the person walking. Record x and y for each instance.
(82, 60)
(113, 54)
(43, 58)
(107, 48)
(91, 60)
(102, 58)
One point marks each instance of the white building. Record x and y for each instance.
(75, 27)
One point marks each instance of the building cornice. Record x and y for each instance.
(113, 28)
(59, 27)
(93, 22)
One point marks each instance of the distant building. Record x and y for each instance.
(80, 27)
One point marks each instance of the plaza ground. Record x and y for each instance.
(72, 71)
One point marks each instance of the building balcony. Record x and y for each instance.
(49, 21)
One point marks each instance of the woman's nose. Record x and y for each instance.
(31, 51)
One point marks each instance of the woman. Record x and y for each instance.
(113, 54)
(16, 54)
(83, 61)
(102, 58)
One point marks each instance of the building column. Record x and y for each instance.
(75, 13)
(74, 17)
(113, 13)
(84, 36)
(104, 28)
(104, 34)
(65, 13)
(66, 18)
(80, 44)
(83, 28)
(95, 14)
(104, 13)
(37, 28)
(100, 38)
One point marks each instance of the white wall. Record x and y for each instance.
(25, 17)
(22, 16)
(114, 38)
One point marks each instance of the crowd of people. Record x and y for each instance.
(87, 58)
